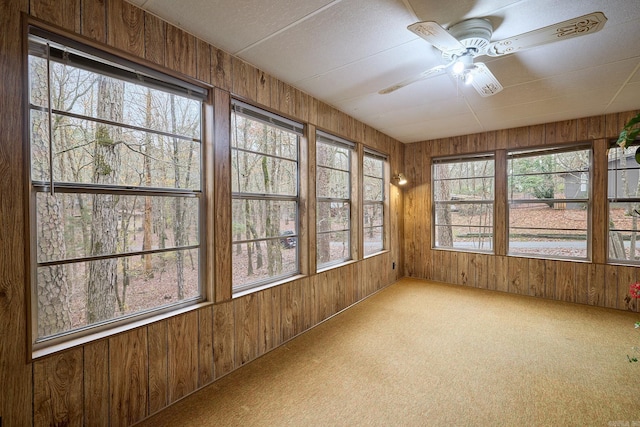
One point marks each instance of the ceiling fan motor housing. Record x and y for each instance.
(474, 34)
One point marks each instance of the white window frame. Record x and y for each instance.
(331, 140)
(451, 203)
(271, 119)
(56, 48)
(368, 153)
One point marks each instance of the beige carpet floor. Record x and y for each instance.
(420, 353)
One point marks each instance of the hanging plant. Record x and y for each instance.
(629, 132)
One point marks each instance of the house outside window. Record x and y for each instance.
(115, 189)
(549, 193)
(265, 196)
(374, 196)
(463, 199)
(333, 206)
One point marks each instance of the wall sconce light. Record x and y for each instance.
(400, 178)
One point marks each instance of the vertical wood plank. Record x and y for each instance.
(626, 276)
(502, 273)
(221, 74)
(96, 383)
(180, 51)
(291, 310)
(565, 281)
(158, 365)
(93, 22)
(482, 275)
(125, 27)
(596, 290)
(16, 376)
(247, 328)
(500, 226)
(611, 286)
(266, 313)
(222, 196)
(57, 397)
(599, 203)
(537, 277)
(581, 274)
(244, 79)
(223, 339)
(205, 346)
(263, 88)
(182, 355)
(518, 275)
(63, 13)
(549, 278)
(203, 61)
(463, 268)
(154, 36)
(128, 372)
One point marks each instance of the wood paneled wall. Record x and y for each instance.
(594, 283)
(126, 377)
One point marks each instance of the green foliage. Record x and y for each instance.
(629, 132)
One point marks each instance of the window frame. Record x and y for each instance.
(271, 119)
(476, 157)
(588, 201)
(375, 155)
(94, 58)
(328, 139)
(616, 198)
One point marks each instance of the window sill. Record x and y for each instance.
(48, 350)
(382, 252)
(333, 266)
(267, 286)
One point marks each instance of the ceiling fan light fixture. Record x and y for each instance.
(468, 78)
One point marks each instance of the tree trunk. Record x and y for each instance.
(103, 274)
(443, 212)
(148, 206)
(178, 220)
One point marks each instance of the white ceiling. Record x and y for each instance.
(344, 51)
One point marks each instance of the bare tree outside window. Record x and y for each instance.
(374, 194)
(115, 178)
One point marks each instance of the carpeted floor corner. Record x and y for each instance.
(420, 353)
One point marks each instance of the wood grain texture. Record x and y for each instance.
(263, 88)
(500, 226)
(57, 386)
(154, 35)
(180, 51)
(16, 377)
(611, 286)
(128, 373)
(565, 283)
(518, 275)
(158, 361)
(222, 196)
(205, 346)
(63, 13)
(247, 328)
(94, 20)
(203, 61)
(221, 74)
(223, 339)
(537, 277)
(125, 27)
(96, 383)
(267, 331)
(244, 79)
(292, 319)
(599, 205)
(182, 355)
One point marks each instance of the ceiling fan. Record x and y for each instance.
(469, 39)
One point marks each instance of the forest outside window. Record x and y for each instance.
(333, 192)
(116, 193)
(265, 196)
(624, 204)
(549, 202)
(463, 199)
(373, 171)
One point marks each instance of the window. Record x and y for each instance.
(624, 204)
(549, 202)
(333, 192)
(264, 157)
(373, 171)
(116, 194)
(463, 195)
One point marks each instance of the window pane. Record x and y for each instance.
(559, 230)
(624, 233)
(259, 219)
(373, 167)
(333, 247)
(71, 296)
(259, 174)
(86, 152)
(332, 183)
(332, 216)
(373, 189)
(373, 240)
(259, 137)
(464, 180)
(373, 215)
(333, 156)
(68, 225)
(262, 260)
(466, 226)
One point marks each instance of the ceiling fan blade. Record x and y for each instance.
(484, 81)
(437, 36)
(575, 27)
(431, 72)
